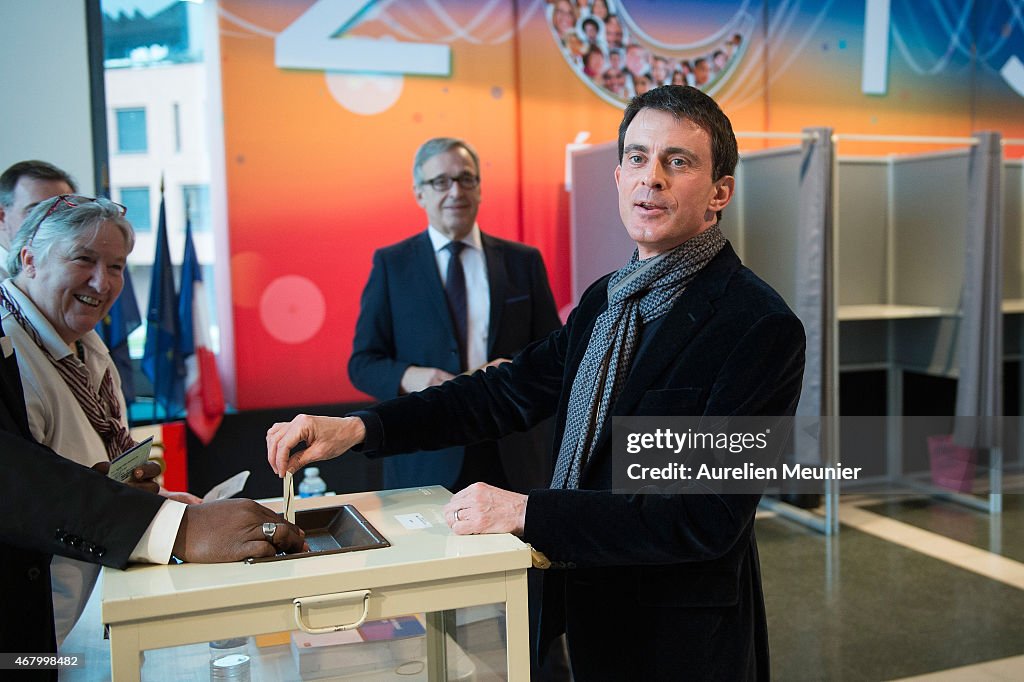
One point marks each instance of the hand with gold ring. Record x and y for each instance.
(482, 508)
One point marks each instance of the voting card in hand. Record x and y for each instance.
(122, 467)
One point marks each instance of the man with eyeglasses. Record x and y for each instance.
(426, 318)
(451, 300)
(22, 186)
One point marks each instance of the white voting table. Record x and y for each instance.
(427, 568)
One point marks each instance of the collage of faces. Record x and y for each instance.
(598, 45)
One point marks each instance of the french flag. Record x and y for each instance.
(204, 397)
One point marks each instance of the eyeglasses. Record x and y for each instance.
(443, 183)
(71, 201)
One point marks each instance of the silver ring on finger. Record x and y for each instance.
(269, 529)
(457, 514)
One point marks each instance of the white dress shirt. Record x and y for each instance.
(478, 290)
(58, 422)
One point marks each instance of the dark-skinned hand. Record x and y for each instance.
(142, 476)
(232, 530)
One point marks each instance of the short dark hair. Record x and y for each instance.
(688, 103)
(39, 170)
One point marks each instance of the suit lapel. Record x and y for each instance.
(680, 325)
(14, 417)
(496, 279)
(426, 275)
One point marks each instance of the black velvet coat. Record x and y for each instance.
(647, 587)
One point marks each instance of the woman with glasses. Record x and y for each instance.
(67, 265)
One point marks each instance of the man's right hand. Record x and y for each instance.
(418, 378)
(325, 438)
(232, 530)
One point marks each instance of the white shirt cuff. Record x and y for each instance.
(157, 543)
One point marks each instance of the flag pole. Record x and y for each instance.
(156, 369)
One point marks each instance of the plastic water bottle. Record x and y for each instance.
(312, 485)
(229, 660)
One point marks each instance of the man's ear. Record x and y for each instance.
(725, 186)
(618, 174)
(417, 192)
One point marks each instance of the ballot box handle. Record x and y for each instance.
(331, 599)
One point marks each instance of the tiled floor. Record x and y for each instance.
(893, 597)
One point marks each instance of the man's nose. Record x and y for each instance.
(455, 191)
(654, 176)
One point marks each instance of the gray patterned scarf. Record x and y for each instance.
(638, 293)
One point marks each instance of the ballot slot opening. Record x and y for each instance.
(332, 530)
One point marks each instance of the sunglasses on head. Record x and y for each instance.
(65, 201)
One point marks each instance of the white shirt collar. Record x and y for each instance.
(439, 240)
(51, 339)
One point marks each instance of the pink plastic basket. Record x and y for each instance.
(952, 465)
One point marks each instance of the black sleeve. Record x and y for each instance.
(511, 397)
(52, 505)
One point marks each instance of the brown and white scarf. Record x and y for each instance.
(102, 409)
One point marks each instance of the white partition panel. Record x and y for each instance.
(599, 241)
(929, 219)
(1013, 233)
(862, 189)
(763, 216)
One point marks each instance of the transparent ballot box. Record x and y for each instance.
(386, 592)
(387, 649)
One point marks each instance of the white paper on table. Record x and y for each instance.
(228, 488)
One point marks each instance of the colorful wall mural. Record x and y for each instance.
(326, 101)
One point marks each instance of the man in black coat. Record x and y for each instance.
(645, 586)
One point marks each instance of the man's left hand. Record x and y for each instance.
(482, 508)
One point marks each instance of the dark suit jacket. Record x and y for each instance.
(51, 505)
(647, 587)
(404, 320)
